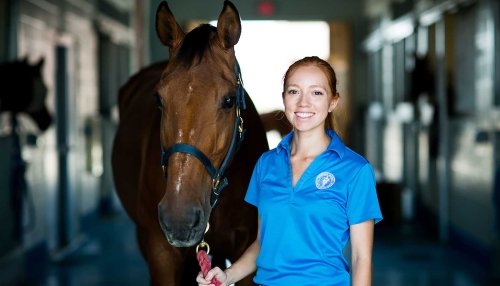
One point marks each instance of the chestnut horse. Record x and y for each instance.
(194, 128)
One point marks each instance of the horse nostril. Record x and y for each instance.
(162, 218)
(191, 219)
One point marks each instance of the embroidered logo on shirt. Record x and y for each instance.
(325, 180)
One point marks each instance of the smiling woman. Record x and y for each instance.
(316, 191)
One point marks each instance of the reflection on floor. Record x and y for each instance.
(109, 256)
(403, 256)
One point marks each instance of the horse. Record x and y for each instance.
(23, 91)
(187, 128)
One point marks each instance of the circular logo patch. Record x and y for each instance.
(325, 180)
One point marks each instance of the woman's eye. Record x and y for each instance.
(318, 93)
(293, 91)
(228, 102)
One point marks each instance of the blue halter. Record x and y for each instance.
(219, 181)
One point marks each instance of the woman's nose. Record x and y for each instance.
(303, 100)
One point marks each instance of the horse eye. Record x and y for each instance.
(228, 102)
(158, 100)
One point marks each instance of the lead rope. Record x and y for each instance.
(204, 260)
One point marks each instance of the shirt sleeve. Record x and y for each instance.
(253, 191)
(362, 202)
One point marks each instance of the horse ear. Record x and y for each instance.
(229, 26)
(167, 29)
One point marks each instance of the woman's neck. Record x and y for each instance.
(309, 144)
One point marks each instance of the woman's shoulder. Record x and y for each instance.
(270, 154)
(344, 151)
(355, 157)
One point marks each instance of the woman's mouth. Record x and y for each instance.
(304, 114)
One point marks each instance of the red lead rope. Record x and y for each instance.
(205, 265)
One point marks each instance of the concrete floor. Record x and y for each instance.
(108, 256)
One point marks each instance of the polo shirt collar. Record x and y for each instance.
(336, 145)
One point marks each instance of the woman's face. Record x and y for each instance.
(308, 98)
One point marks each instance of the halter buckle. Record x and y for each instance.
(215, 183)
(240, 120)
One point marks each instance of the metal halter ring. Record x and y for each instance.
(202, 245)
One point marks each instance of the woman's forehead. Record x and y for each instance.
(308, 74)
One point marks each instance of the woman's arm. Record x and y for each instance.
(245, 265)
(240, 269)
(361, 252)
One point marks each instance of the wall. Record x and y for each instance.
(452, 50)
(68, 171)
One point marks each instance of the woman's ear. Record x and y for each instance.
(334, 102)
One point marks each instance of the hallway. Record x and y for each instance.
(109, 256)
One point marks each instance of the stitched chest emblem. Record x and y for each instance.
(325, 180)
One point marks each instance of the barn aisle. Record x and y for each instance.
(109, 256)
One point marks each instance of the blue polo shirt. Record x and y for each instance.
(305, 228)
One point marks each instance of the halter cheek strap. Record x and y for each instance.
(219, 181)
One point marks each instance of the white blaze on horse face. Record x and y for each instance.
(192, 134)
(180, 135)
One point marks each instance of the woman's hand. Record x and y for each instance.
(216, 272)
(243, 267)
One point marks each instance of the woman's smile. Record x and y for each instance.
(304, 115)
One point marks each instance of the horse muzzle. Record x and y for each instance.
(182, 230)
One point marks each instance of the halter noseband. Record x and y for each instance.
(219, 181)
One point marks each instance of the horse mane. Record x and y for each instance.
(195, 44)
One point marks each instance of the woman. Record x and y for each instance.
(313, 194)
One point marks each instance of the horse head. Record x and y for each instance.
(200, 97)
(23, 91)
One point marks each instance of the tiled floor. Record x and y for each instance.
(109, 256)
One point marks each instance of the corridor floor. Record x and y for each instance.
(109, 256)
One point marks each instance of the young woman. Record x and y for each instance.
(313, 195)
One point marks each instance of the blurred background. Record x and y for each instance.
(420, 98)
